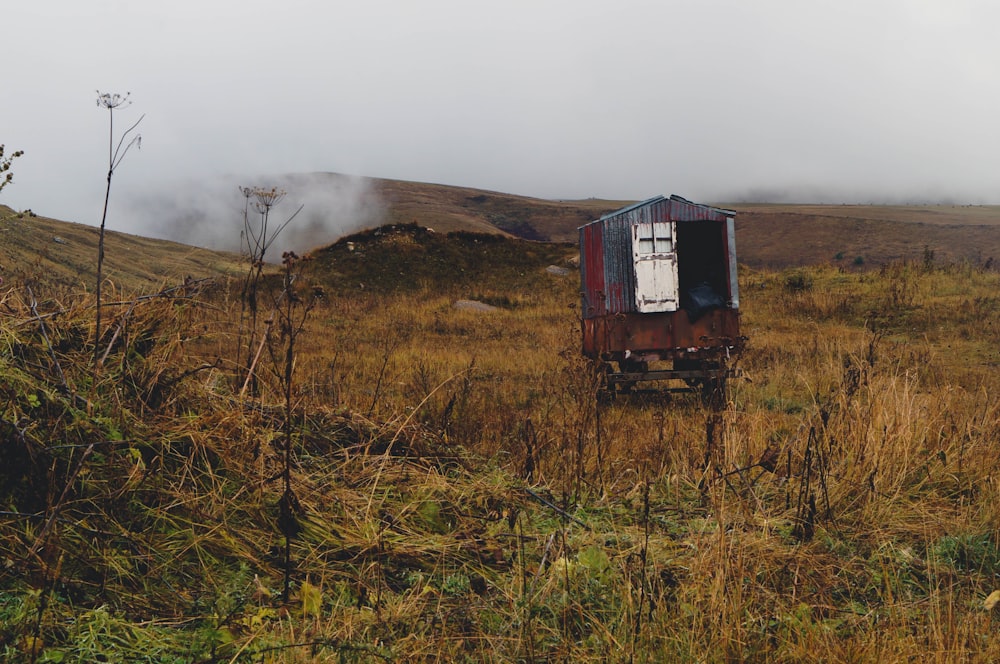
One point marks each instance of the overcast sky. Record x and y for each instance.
(716, 100)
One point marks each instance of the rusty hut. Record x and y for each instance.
(659, 285)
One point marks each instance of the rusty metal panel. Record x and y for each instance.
(619, 273)
(607, 276)
(592, 271)
(668, 335)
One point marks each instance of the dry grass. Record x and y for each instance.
(464, 496)
(63, 255)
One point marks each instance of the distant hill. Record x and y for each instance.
(859, 236)
(767, 235)
(853, 236)
(445, 208)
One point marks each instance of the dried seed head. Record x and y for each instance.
(112, 101)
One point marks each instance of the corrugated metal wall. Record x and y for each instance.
(592, 270)
(606, 261)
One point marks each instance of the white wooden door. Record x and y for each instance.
(655, 258)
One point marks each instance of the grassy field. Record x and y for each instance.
(411, 481)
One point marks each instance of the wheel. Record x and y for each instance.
(628, 365)
(712, 388)
(690, 365)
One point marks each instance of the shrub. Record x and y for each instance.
(798, 282)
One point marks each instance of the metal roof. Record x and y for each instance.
(691, 211)
(634, 206)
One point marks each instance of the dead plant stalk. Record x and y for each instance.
(115, 155)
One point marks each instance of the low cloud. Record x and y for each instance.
(209, 213)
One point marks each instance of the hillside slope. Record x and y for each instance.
(864, 235)
(408, 257)
(446, 208)
(768, 235)
(59, 252)
(776, 236)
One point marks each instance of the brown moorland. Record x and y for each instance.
(855, 235)
(410, 481)
(447, 208)
(776, 236)
(769, 235)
